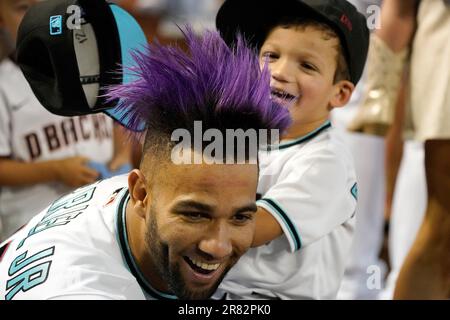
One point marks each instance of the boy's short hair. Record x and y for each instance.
(251, 18)
(302, 22)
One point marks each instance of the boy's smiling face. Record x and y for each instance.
(303, 63)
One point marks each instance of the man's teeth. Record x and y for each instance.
(205, 266)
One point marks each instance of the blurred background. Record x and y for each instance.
(160, 18)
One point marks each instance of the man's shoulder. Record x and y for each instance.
(70, 243)
(55, 271)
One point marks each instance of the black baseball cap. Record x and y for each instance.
(252, 18)
(70, 57)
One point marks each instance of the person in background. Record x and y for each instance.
(42, 155)
(425, 25)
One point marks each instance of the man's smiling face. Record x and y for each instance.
(200, 221)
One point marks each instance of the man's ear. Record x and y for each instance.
(137, 186)
(343, 93)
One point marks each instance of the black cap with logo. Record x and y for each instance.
(252, 17)
(70, 51)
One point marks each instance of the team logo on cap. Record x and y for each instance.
(55, 25)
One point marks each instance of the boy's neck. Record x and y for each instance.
(297, 130)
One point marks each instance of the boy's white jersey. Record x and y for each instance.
(30, 133)
(76, 248)
(309, 186)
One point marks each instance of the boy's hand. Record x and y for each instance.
(74, 172)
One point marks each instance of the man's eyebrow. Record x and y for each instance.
(192, 204)
(248, 208)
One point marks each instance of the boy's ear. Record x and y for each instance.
(138, 192)
(343, 93)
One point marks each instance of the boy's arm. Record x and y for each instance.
(71, 171)
(311, 197)
(267, 228)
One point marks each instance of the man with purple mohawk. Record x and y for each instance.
(165, 230)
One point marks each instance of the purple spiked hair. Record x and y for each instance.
(222, 87)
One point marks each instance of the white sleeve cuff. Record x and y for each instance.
(288, 226)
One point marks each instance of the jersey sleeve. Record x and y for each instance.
(311, 197)
(5, 126)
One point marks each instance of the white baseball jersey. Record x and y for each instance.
(309, 187)
(29, 133)
(76, 248)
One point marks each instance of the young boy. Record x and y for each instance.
(307, 190)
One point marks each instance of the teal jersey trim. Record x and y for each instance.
(295, 235)
(300, 140)
(354, 191)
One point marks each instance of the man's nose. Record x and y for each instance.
(217, 243)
